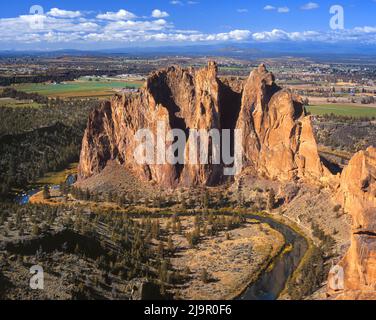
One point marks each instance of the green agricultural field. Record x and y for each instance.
(232, 68)
(13, 103)
(343, 110)
(78, 88)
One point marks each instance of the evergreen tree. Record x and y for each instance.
(87, 194)
(204, 276)
(46, 192)
(271, 199)
(161, 249)
(170, 244)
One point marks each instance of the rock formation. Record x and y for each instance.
(278, 141)
(357, 195)
(180, 99)
(278, 137)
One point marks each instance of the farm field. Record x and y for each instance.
(13, 103)
(232, 68)
(79, 88)
(343, 110)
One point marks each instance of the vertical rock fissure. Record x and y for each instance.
(230, 105)
(163, 96)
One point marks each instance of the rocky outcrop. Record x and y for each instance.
(278, 141)
(278, 137)
(357, 195)
(179, 99)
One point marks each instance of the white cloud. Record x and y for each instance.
(116, 16)
(181, 3)
(359, 35)
(279, 10)
(365, 29)
(269, 7)
(242, 10)
(140, 36)
(58, 13)
(310, 6)
(123, 27)
(283, 9)
(280, 35)
(159, 14)
(240, 34)
(143, 26)
(235, 35)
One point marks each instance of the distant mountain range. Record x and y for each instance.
(318, 50)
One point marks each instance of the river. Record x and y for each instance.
(24, 197)
(272, 282)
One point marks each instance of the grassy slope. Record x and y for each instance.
(55, 178)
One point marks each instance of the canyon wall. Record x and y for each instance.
(357, 194)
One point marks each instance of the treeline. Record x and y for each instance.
(345, 133)
(20, 95)
(21, 120)
(69, 75)
(26, 157)
(34, 141)
(204, 201)
(335, 117)
(332, 91)
(18, 120)
(314, 270)
(367, 100)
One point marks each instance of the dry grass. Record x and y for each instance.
(233, 264)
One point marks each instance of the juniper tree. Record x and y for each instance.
(170, 244)
(46, 192)
(271, 199)
(204, 276)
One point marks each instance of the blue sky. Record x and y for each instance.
(91, 24)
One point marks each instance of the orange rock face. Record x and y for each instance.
(277, 142)
(358, 197)
(278, 137)
(178, 98)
